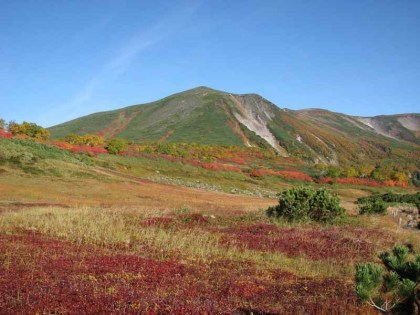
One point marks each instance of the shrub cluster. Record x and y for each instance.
(377, 204)
(373, 207)
(307, 204)
(116, 145)
(27, 129)
(391, 198)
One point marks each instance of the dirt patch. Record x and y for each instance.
(165, 137)
(117, 125)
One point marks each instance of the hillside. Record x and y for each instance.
(208, 116)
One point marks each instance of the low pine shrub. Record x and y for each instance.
(373, 207)
(393, 290)
(393, 198)
(377, 204)
(116, 146)
(307, 204)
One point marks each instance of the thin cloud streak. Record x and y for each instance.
(126, 55)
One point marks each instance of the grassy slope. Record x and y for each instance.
(336, 137)
(192, 117)
(205, 116)
(28, 157)
(167, 248)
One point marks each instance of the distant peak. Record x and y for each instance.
(205, 89)
(202, 88)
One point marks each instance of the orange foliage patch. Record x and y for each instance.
(361, 181)
(236, 160)
(325, 180)
(5, 134)
(393, 183)
(286, 174)
(63, 145)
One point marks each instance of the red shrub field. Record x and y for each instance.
(333, 244)
(285, 174)
(39, 275)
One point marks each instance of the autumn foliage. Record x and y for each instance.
(285, 174)
(5, 134)
(88, 149)
(221, 167)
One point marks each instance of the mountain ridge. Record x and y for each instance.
(206, 115)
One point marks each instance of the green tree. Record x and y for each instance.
(365, 170)
(350, 171)
(395, 289)
(377, 206)
(383, 172)
(73, 139)
(333, 171)
(306, 204)
(93, 140)
(115, 146)
(2, 124)
(14, 128)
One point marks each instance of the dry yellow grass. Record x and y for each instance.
(121, 228)
(142, 195)
(108, 212)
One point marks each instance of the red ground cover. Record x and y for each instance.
(45, 276)
(286, 174)
(337, 244)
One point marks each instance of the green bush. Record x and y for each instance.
(373, 207)
(392, 198)
(115, 146)
(395, 289)
(307, 204)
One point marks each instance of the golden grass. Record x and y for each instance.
(121, 228)
(108, 213)
(388, 224)
(142, 195)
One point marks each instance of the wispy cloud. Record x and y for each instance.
(126, 54)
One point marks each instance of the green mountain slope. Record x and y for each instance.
(209, 116)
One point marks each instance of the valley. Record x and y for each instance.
(148, 232)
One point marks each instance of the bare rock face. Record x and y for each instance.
(407, 216)
(254, 113)
(400, 127)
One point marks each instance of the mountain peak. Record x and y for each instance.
(201, 88)
(205, 115)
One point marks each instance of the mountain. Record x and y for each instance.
(204, 115)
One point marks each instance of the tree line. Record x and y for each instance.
(34, 131)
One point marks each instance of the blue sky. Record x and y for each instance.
(63, 59)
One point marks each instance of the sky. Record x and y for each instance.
(60, 59)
